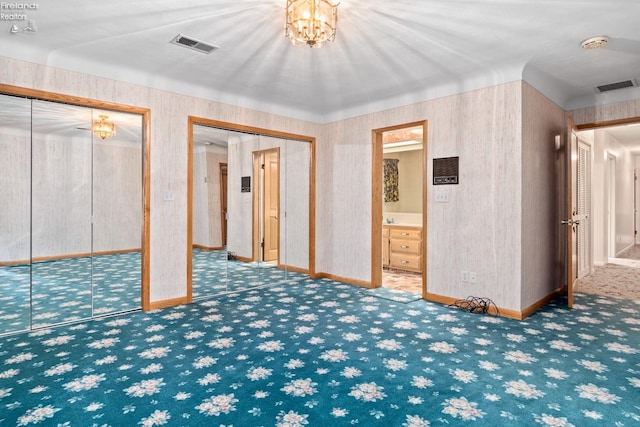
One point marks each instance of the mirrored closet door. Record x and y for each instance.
(71, 239)
(260, 204)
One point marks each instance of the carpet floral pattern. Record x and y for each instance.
(71, 289)
(318, 352)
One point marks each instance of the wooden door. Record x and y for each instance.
(271, 206)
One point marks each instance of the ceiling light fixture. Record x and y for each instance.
(103, 128)
(311, 22)
(595, 42)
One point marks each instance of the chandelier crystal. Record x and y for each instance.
(311, 22)
(103, 128)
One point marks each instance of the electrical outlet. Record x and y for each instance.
(464, 276)
(473, 277)
(442, 197)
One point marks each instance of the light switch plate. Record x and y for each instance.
(442, 197)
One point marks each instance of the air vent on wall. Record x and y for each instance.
(618, 85)
(194, 44)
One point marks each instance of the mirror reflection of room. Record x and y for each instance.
(402, 209)
(71, 222)
(250, 210)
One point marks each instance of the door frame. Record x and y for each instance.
(570, 191)
(376, 202)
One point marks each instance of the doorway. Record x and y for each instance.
(399, 208)
(615, 257)
(266, 205)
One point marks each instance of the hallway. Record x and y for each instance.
(619, 278)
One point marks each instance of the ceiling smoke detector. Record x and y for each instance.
(595, 42)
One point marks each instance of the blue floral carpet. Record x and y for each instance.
(68, 289)
(318, 352)
(65, 290)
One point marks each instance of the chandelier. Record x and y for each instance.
(311, 22)
(103, 128)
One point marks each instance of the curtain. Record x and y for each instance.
(390, 180)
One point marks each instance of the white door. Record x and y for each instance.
(583, 234)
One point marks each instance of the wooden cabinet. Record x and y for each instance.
(385, 246)
(403, 247)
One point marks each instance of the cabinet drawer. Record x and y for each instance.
(406, 262)
(406, 246)
(406, 233)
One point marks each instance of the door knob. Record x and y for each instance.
(570, 222)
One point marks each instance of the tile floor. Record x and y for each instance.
(402, 280)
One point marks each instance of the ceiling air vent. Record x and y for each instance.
(194, 44)
(618, 85)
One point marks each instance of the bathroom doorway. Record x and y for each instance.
(399, 208)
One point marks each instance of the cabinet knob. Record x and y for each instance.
(404, 246)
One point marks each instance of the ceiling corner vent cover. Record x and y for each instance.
(617, 85)
(191, 43)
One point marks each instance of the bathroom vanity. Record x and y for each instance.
(402, 247)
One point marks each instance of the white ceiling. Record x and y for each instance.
(386, 53)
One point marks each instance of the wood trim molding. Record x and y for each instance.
(66, 256)
(293, 269)
(157, 305)
(505, 312)
(608, 123)
(347, 280)
(146, 167)
(208, 248)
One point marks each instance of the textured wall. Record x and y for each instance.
(169, 123)
(478, 230)
(15, 193)
(542, 256)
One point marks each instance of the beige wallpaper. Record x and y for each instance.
(543, 199)
(478, 230)
(169, 121)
